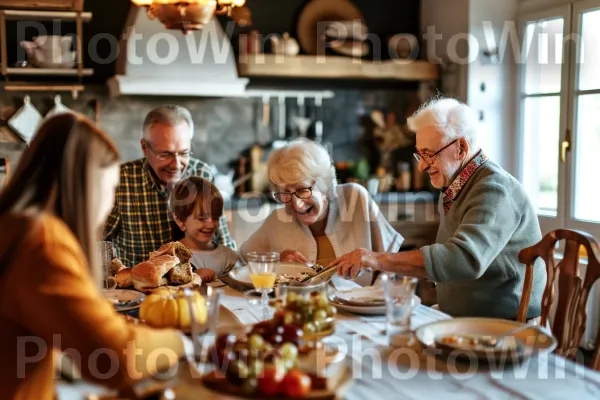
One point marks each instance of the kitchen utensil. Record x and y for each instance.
(50, 51)
(314, 17)
(241, 275)
(324, 275)
(59, 107)
(26, 120)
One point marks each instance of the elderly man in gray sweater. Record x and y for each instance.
(486, 218)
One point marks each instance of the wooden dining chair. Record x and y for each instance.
(4, 170)
(569, 321)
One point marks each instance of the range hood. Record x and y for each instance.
(155, 61)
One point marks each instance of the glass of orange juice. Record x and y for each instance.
(262, 273)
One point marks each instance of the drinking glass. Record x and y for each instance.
(399, 291)
(106, 255)
(262, 273)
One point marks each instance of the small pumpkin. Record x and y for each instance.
(169, 308)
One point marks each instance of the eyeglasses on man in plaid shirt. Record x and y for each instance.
(141, 222)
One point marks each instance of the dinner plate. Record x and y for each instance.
(241, 275)
(533, 340)
(368, 310)
(124, 299)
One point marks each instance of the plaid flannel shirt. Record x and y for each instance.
(141, 222)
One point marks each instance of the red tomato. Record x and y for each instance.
(296, 384)
(270, 380)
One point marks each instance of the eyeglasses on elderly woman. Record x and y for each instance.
(430, 158)
(286, 197)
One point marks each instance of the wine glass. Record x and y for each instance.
(261, 267)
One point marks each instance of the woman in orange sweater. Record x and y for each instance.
(51, 213)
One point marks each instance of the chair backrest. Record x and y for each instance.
(573, 291)
(4, 170)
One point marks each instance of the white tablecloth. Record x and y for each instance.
(381, 372)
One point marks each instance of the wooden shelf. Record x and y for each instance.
(333, 67)
(33, 87)
(76, 5)
(48, 71)
(16, 15)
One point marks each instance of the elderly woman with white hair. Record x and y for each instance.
(320, 220)
(486, 219)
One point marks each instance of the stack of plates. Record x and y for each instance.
(365, 300)
(123, 299)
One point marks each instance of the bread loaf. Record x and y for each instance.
(181, 274)
(152, 273)
(123, 278)
(115, 266)
(173, 249)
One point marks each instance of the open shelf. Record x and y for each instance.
(48, 71)
(333, 67)
(16, 15)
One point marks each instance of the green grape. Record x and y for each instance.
(256, 342)
(331, 310)
(320, 315)
(289, 364)
(322, 301)
(291, 297)
(309, 328)
(289, 317)
(289, 351)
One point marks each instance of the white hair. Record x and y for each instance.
(171, 115)
(450, 117)
(301, 160)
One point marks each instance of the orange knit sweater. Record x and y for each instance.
(49, 302)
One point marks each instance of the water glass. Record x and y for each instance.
(399, 291)
(106, 256)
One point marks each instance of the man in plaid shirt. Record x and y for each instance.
(141, 221)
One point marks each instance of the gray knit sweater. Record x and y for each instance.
(475, 258)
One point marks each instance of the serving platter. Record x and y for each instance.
(241, 275)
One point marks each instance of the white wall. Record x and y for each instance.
(458, 18)
(449, 18)
(497, 103)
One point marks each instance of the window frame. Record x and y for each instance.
(578, 9)
(547, 223)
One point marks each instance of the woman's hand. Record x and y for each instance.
(292, 256)
(207, 274)
(349, 265)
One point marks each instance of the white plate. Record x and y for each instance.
(370, 310)
(123, 299)
(242, 274)
(535, 339)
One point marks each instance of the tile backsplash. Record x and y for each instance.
(226, 127)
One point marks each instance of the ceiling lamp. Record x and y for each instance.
(187, 15)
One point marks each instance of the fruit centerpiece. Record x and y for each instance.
(277, 356)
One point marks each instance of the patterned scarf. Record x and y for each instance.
(461, 180)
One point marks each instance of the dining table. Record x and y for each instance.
(407, 371)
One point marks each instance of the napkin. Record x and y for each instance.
(342, 284)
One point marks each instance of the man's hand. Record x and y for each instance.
(207, 274)
(349, 265)
(292, 256)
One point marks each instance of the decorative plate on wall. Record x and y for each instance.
(318, 11)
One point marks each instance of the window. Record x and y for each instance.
(559, 115)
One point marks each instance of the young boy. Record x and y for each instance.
(197, 206)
